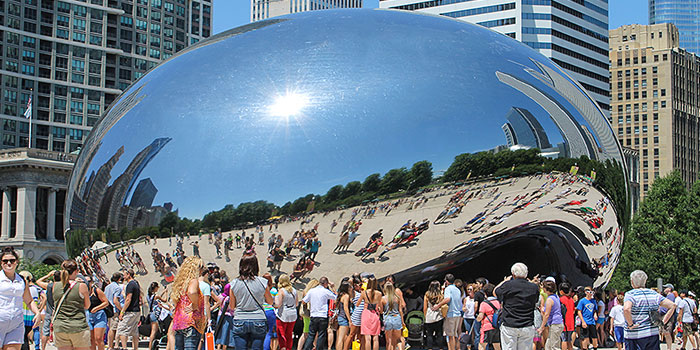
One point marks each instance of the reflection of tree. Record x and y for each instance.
(610, 176)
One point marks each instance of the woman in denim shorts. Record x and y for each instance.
(393, 316)
(343, 303)
(96, 316)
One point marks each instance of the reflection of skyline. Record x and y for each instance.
(575, 140)
(144, 194)
(115, 196)
(522, 128)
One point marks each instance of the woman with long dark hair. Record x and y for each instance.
(97, 318)
(371, 325)
(13, 291)
(248, 293)
(71, 330)
(154, 310)
(356, 314)
(345, 294)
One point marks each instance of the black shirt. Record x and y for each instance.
(518, 298)
(479, 297)
(135, 291)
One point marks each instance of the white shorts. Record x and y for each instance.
(12, 336)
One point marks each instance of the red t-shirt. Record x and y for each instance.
(570, 308)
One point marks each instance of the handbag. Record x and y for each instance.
(444, 309)
(209, 340)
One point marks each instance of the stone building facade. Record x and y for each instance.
(33, 184)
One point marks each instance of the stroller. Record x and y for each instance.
(161, 340)
(414, 323)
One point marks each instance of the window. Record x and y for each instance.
(79, 10)
(143, 25)
(663, 92)
(76, 107)
(12, 66)
(58, 132)
(155, 28)
(96, 40)
(93, 108)
(154, 53)
(77, 92)
(59, 104)
(28, 42)
(63, 7)
(77, 78)
(78, 65)
(76, 134)
(76, 119)
(79, 37)
(79, 24)
(654, 69)
(27, 69)
(663, 104)
(127, 21)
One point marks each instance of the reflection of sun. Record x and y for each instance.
(288, 105)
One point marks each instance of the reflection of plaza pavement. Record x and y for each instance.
(429, 245)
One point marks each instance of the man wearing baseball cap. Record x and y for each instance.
(669, 327)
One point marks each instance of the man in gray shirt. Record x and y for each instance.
(114, 295)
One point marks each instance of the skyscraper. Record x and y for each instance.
(655, 103)
(263, 9)
(573, 33)
(74, 58)
(684, 14)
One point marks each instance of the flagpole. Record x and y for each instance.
(30, 117)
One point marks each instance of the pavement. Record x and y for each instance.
(429, 245)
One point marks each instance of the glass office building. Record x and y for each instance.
(684, 14)
(573, 33)
(74, 58)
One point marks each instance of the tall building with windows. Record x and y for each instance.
(263, 9)
(573, 33)
(74, 57)
(684, 14)
(656, 100)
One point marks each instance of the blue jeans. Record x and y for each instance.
(187, 339)
(249, 334)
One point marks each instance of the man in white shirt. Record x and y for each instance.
(318, 298)
(686, 308)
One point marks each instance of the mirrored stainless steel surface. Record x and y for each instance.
(524, 165)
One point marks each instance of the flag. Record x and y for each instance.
(28, 112)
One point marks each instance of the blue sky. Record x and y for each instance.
(233, 13)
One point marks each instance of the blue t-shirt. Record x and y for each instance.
(588, 308)
(455, 304)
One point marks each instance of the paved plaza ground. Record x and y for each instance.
(432, 244)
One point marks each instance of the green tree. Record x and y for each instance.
(371, 183)
(662, 240)
(351, 189)
(169, 220)
(333, 194)
(393, 181)
(421, 174)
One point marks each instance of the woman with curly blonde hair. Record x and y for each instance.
(188, 317)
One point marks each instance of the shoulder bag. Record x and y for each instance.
(253, 296)
(109, 310)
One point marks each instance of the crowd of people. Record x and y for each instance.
(77, 308)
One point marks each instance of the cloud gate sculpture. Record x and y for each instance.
(352, 121)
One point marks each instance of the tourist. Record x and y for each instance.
(356, 314)
(617, 322)
(286, 302)
(552, 317)
(13, 292)
(587, 313)
(71, 297)
(318, 298)
(306, 314)
(433, 318)
(114, 295)
(154, 310)
(518, 297)
(669, 327)
(49, 305)
(97, 317)
(248, 292)
(640, 333)
(469, 312)
(393, 316)
(371, 326)
(600, 321)
(342, 303)
(453, 320)
(686, 309)
(188, 316)
(224, 326)
(569, 323)
(490, 334)
(129, 316)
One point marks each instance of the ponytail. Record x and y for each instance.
(69, 266)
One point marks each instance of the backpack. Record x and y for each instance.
(496, 319)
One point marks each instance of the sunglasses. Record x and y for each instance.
(9, 261)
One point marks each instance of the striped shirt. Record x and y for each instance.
(643, 300)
